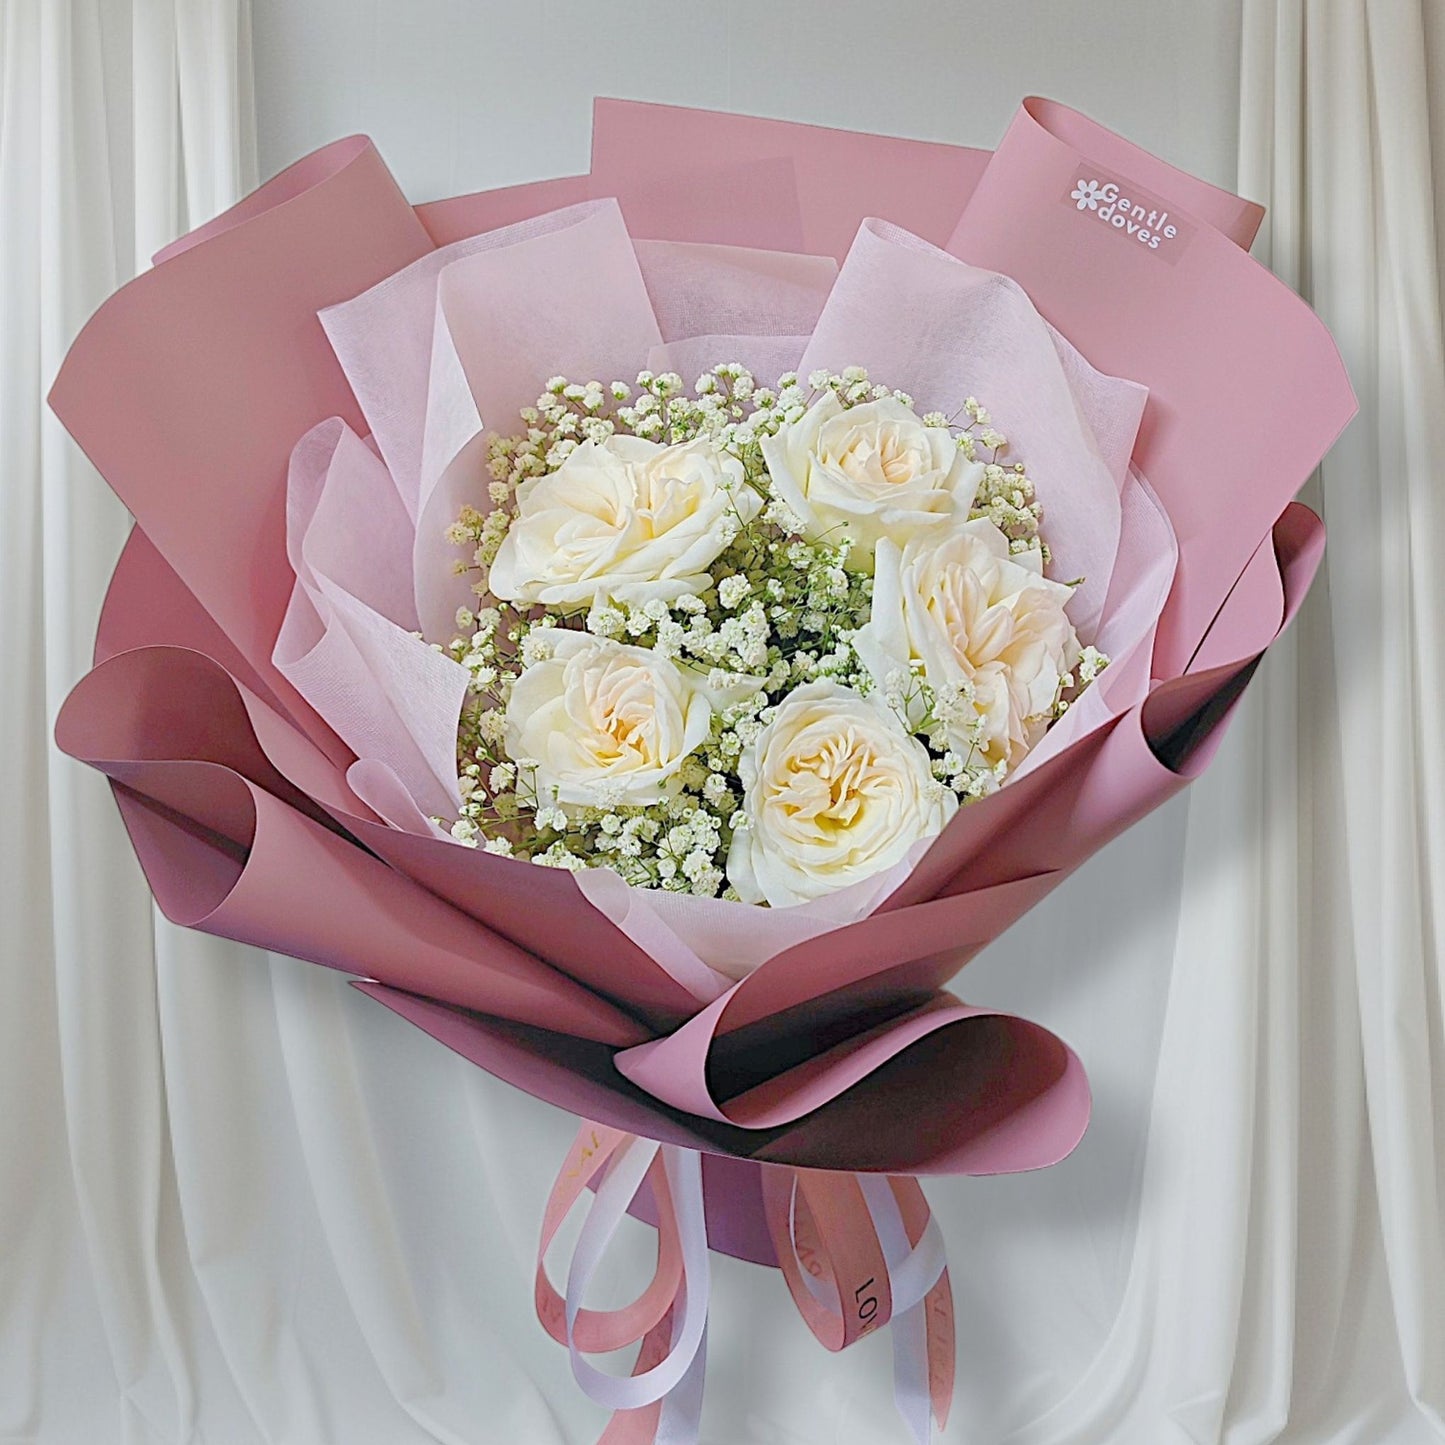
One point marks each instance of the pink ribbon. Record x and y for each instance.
(859, 1250)
(661, 1402)
(856, 1251)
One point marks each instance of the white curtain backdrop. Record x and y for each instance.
(1337, 141)
(1288, 1273)
(240, 1205)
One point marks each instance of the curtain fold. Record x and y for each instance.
(1340, 143)
(1288, 1276)
(104, 153)
(1353, 154)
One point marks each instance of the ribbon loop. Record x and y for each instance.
(661, 1400)
(857, 1251)
(601, 1331)
(829, 1253)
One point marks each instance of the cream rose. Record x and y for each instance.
(606, 724)
(962, 610)
(868, 472)
(834, 791)
(625, 519)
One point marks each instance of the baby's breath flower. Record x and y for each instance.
(781, 611)
(732, 591)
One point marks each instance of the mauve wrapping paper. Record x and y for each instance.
(188, 390)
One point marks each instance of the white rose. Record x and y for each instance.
(868, 472)
(608, 725)
(625, 519)
(834, 791)
(962, 610)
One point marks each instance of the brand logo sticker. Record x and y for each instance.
(1130, 211)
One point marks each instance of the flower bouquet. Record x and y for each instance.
(654, 627)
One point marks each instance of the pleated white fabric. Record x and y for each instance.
(1288, 1281)
(240, 1205)
(1336, 139)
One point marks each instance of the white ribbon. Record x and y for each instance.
(684, 1364)
(677, 1380)
(913, 1270)
(682, 1409)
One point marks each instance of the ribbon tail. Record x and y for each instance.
(640, 1426)
(942, 1351)
(911, 1393)
(681, 1421)
(923, 1332)
(676, 1419)
(938, 1346)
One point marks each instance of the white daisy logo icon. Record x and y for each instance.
(1086, 195)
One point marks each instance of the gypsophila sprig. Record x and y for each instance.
(648, 598)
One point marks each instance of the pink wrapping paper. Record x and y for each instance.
(255, 818)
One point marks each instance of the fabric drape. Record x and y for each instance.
(1336, 139)
(1287, 1280)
